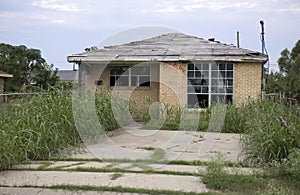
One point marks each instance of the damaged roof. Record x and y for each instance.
(170, 47)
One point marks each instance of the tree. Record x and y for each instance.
(288, 79)
(27, 66)
(285, 61)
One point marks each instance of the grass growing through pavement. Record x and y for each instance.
(120, 189)
(215, 177)
(272, 180)
(115, 176)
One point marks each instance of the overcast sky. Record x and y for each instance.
(60, 27)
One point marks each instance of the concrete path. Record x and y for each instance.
(88, 171)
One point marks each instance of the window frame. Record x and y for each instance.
(213, 69)
(129, 72)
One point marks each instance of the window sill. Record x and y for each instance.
(139, 88)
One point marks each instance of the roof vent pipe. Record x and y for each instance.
(238, 39)
(262, 37)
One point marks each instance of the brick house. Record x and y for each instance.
(174, 69)
(2, 76)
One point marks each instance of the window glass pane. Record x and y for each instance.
(230, 66)
(112, 80)
(197, 101)
(214, 67)
(228, 99)
(205, 74)
(198, 74)
(205, 89)
(134, 81)
(229, 82)
(195, 82)
(214, 89)
(215, 82)
(214, 74)
(191, 89)
(197, 89)
(192, 100)
(229, 90)
(191, 67)
(205, 67)
(119, 70)
(123, 81)
(222, 82)
(198, 67)
(218, 98)
(191, 74)
(221, 90)
(140, 70)
(230, 74)
(222, 74)
(222, 67)
(144, 80)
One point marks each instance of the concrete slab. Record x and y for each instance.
(131, 180)
(45, 191)
(177, 145)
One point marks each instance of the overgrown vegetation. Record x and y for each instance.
(272, 180)
(216, 177)
(271, 131)
(41, 126)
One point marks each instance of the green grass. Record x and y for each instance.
(118, 189)
(40, 127)
(272, 180)
(37, 128)
(265, 139)
(115, 176)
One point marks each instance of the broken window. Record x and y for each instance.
(208, 83)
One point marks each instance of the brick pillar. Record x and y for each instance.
(173, 84)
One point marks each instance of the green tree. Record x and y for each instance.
(288, 79)
(27, 66)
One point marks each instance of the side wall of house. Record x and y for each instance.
(173, 84)
(247, 82)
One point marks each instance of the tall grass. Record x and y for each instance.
(36, 129)
(41, 126)
(266, 139)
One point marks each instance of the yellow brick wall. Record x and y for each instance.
(247, 82)
(169, 83)
(137, 94)
(173, 83)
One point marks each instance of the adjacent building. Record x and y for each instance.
(3, 75)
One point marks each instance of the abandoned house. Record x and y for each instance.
(174, 69)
